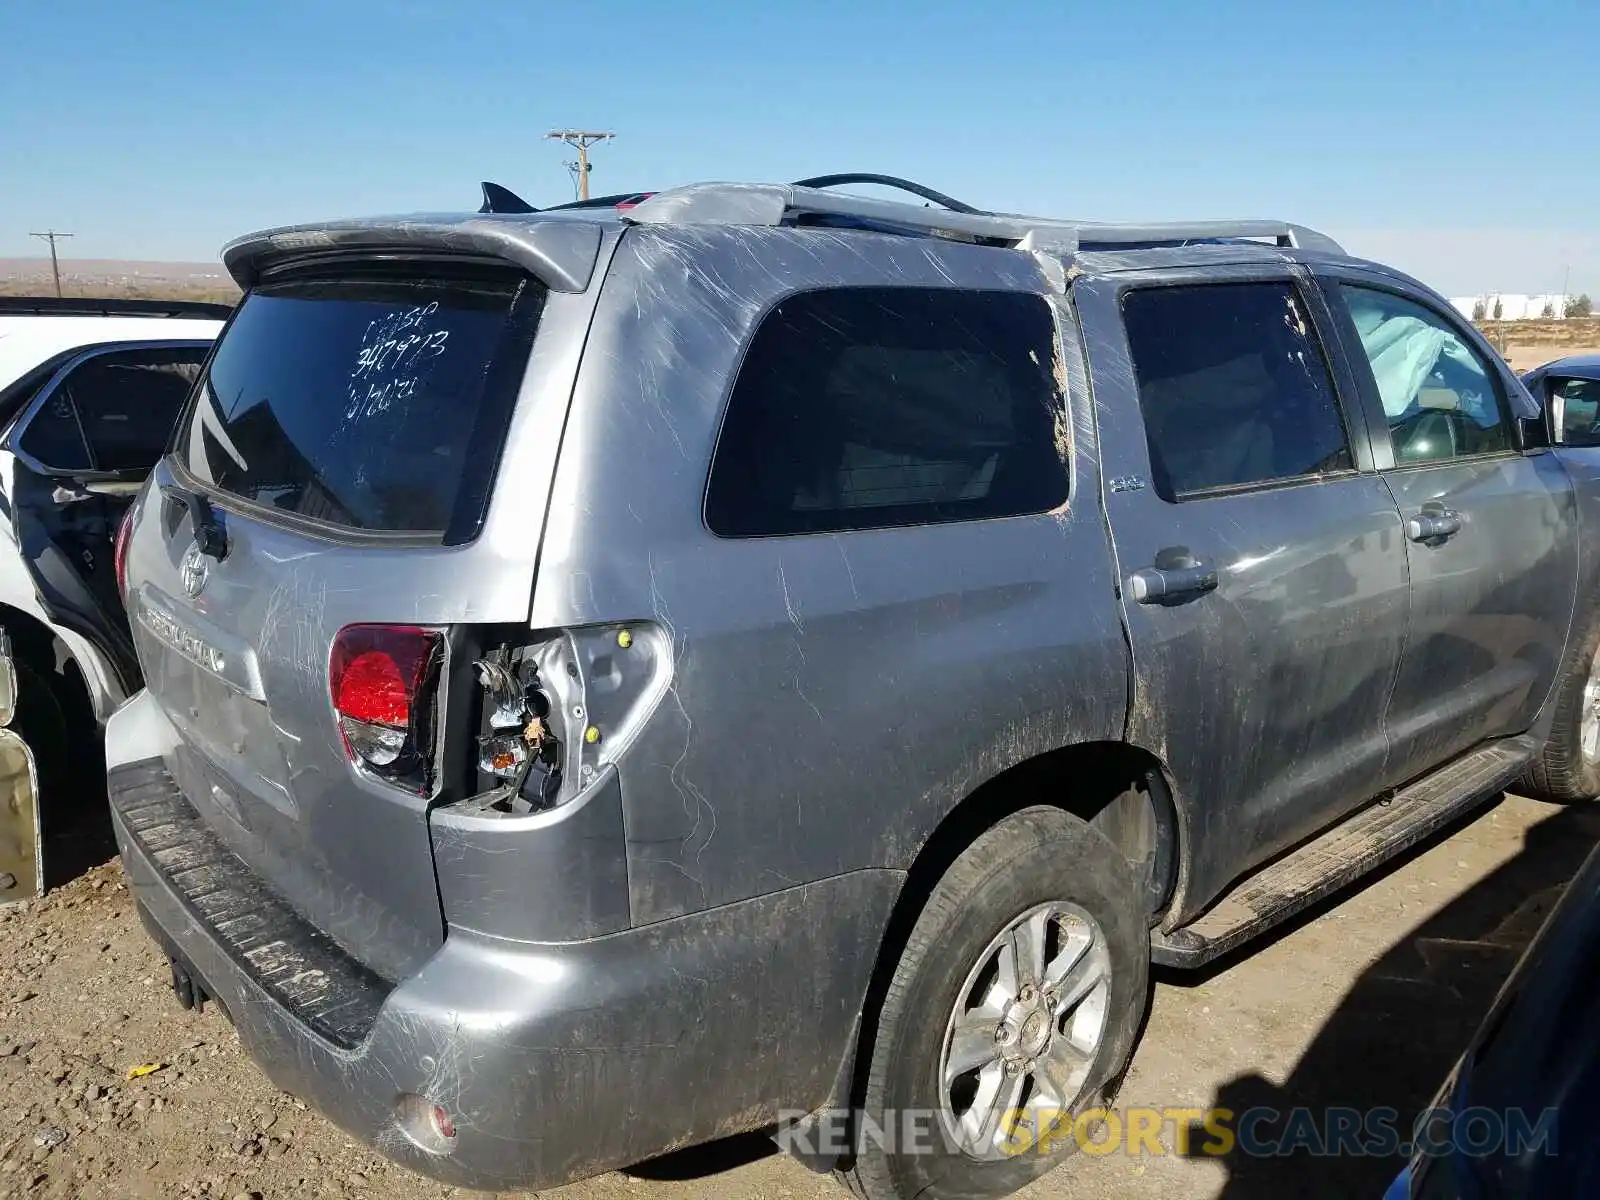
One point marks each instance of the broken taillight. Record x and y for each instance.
(559, 710)
(384, 684)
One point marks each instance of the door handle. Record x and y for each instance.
(1434, 523)
(1152, 585)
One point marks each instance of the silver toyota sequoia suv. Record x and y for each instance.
(755, 657)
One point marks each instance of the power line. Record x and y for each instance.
(580, 140)
(50, 235)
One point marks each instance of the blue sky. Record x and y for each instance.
(1445, 137)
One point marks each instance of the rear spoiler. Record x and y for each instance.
(112, 306)
(560, 253)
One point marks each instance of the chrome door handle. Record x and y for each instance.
(1433, 525)
(1151, 585)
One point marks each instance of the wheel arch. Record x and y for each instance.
(51, 656)
(1120, 789)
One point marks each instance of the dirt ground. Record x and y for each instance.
(1363, 1003)
(1529, 344)
(1525, 358)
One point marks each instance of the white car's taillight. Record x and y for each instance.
(384, 683)
(119, 552)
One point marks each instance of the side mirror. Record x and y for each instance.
(1572, 407)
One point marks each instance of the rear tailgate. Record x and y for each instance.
(342, 448)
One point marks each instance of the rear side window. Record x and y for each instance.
(114, 411)
(1233, 385)
(861, 408)
(370, 403)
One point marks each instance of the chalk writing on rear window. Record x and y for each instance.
(396, 354)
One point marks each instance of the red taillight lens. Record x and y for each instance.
(371, 688)
(119, 552)
(383, 680)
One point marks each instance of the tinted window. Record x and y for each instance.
(1233, 386)
(54, 437)
(114, 412)
(128, 404)
(869, 407)
(361, 402)
(1440, 397)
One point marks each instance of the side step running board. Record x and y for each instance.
(1344, 853)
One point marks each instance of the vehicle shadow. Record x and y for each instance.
(78, 834)
(703, 1161)
(1404, 1021)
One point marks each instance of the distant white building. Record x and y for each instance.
(1513, 306)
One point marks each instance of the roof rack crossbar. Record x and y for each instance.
(921, 191)
(773, 204)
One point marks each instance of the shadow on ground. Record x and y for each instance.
(77, 834)
(1404, 1022)
(713, 1158)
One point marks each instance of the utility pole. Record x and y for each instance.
(50, 235)
(580, 140)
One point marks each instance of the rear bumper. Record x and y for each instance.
(555, 1061)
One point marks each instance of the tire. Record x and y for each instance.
(1564, 772)
(1038, 861)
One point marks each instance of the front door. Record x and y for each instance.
(1262, 561)
(1491, 531)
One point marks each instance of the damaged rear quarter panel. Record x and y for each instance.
(834, 695)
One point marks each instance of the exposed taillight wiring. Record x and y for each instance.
(559, 709)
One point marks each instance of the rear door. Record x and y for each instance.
(1261, 560)
(77, 457)
(335, 471)
(1491, 530)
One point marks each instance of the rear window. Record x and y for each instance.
(377, 404)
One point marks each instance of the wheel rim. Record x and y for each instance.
(1025, 1030)
(1589, 722)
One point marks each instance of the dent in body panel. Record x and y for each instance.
(1265, 698)
(1491, 606)
(833, 694)
(543, 877)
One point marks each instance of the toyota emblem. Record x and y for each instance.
(194, 570)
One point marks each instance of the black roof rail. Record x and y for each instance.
(497, 199)
(112, 306)
(919, 190)
(780, 204)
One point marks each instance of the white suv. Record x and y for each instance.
(89, 393)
